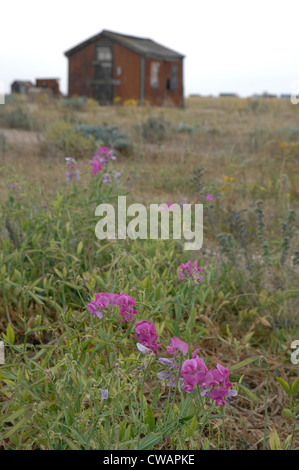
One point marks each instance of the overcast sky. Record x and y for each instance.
(241, 46)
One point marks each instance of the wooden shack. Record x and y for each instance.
(48, 84)
(115, 67)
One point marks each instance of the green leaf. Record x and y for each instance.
(149, 418)
(17, 426)
(249, 393)
(274, 440)
(287, 442)
(8, 418)
(295, 386)
(288, 413)
(245, 363)
(79, 248)
(284, 385)
(10, 336)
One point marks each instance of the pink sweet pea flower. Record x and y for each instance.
(209, 197)
(176, 345)
(218, 386)
(103, 299)
(146, 334)
(96, 166)
(126, 303)
(193, 372)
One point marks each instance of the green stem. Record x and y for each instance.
(223, 429)
(141, 401)
(293, 434)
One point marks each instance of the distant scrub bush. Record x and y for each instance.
(109, 136)
(82, 139)
(17, 119)
(61, 138)
(80, 103)
(154, 129)
(290, 133)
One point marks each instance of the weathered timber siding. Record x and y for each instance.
(129, 62)
(161, 96)
(81, 71)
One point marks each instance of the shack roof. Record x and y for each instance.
(142, 46)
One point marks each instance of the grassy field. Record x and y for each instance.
(72, 380)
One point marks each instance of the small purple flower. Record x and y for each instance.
(106, 178)
(166, 375)
(73, 172)
(190, 271)
(209, 197)
(167, 362)
(184, 201)
(104, 394)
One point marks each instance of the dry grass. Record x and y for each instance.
(229, 139)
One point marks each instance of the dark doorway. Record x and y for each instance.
(104, 74)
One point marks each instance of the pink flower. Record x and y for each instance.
(15, 186)
(190, 271)
(176, 345)
(104, 299)
(209, 197)
(104, 154)
(218, 387)
(221, 375)
(146, 334)
(96, 166)
(166, 206)
(193, 372)
(101, 158)
(126, 303)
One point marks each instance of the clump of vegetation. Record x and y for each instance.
(109, 136)
(153, 129)
(184, 127)
(290, 133)
(61, 139)
(79, 103)
(17, 118)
